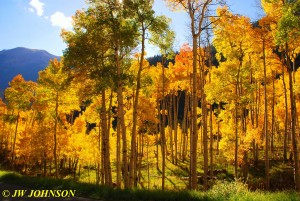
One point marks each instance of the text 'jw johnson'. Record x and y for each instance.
(39, 193)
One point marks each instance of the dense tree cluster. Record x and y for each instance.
(232, 98)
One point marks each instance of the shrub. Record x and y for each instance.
(223, 190)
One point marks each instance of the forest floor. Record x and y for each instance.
(177, 175)
(221, 191)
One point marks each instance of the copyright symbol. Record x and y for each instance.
(5, 193)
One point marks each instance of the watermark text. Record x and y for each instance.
(39, 193)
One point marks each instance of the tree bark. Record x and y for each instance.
(211, 142)
(293, 123)
(236, 136)
(15, 138)
(171, 125)
(285, 137)
(266, 134)
(176, 100)
(118, 157)
(163, 138)
(121, 118)
(55, 136)
(273, 112)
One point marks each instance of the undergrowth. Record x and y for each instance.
(222, 190)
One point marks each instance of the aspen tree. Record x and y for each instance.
(19, 95)
(197, 11)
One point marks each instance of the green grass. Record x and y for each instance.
(221, 191)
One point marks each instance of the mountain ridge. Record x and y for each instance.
(21, 60)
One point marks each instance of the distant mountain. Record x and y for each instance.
(20, 60)
(158, 58)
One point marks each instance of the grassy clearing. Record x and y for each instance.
(221, 191)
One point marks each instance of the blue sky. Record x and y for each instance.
(37, 24)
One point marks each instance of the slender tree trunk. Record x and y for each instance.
(148, 164)
(236, 136)
(273, 112)
(252, 104)
(196, 30)
(245, 166)
(293, 123)
(101, 160)
(140, 159)
(108, 121)
(285, 138)
(171, 126)
(204, 131)
(163, 146)
(266, 134)
(133, 160)
(258, 105)
(185, 126)
(118, 148)
(121, 118)
(256, 111)
(15, 138)
(194, 134)
(211, 143)
(55, 136)
(163, 138)
(98, 174)
(176, 100)
(159, 131)
(105, 140)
